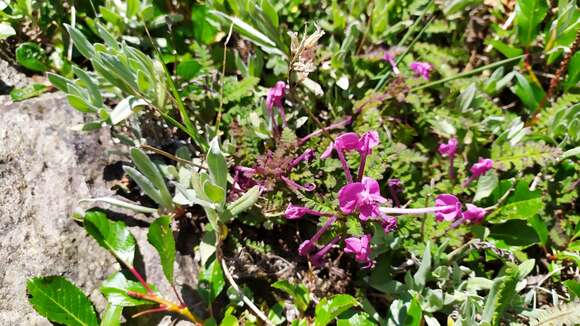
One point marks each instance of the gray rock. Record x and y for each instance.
(10, 77)
(45, 168)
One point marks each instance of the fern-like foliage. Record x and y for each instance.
(566, 314)
(563, 118)
(523, 156)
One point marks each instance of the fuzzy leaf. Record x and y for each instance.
(500, 297)
(218, 168)
(60, 301)
(247, 200)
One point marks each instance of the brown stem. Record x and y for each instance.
(556, 79)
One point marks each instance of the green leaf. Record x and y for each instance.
(247, 200)
(31, 56)
(160, 236)
(525, 268)
(59, 82)
(530, 93)
(406, 313)
(188, 69)
(521, 204)
(529, 15)
(146, 186)
(115, 288)
(499, 297)
(485, 185)
(6, 30)
(81, 42)
(151, 172)
(514, 233)
(328, 309)
(573, 72)
(270, 12)
(112, 315)
(113, 236)
(28, 91)
(211, 282)
(236, 90)
(132, 7)
(203, 31)
(80, 104)
(218, 168)
(276, 313)
(573, 287)
(94, 92)
(540, 227)
(466, 97)
(125, 108)
(505, 49)
(215, 193)
(120, 203)
(60, 301)
(424, 270)
(299, 293)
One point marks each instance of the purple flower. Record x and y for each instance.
(306, 248)
(422, 69)
(452, 210)
(389, 223)
(308, 155)
(481, 167)
(474, 214)
(364, 196)
(390, 58)
(361, 248)
(294, 212)
(317, 258)
(367, 141)
(275, 97)
(328, 151)
(448, 149)
(347, 142)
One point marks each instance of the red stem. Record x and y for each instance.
(140, 278)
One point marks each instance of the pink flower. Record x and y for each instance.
(389, 224)
(367, 142)
(474, 214)
(364, 196)
(449, 149)
(360, 247)
(453, 208)
(390, 58)
(308, 155)
(275, 97)
(481, 167)
(294, 212)
(306, 248)
(347, 142)
(316, 259)
(422, 69)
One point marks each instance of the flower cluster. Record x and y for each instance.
(363, 197)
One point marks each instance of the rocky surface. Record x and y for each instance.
(45, 168)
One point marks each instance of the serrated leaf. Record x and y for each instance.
(60, 301)
(160, 236)
(115, 288)
(328, 309)
(236, 90)
(113, 236)
(506, 156)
